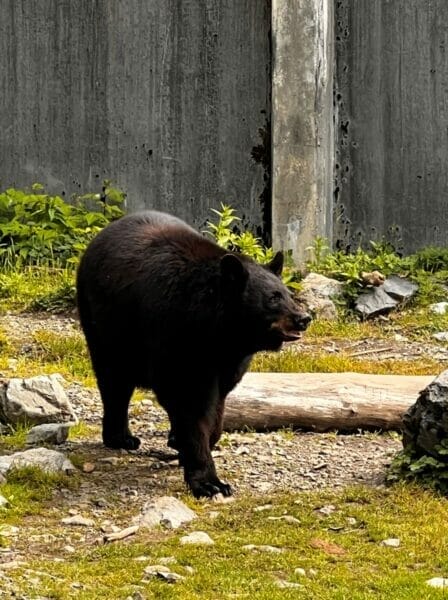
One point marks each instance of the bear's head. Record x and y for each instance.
(259, 304)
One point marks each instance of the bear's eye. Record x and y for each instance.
(276, 298)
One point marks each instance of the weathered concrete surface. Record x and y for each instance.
(302, 122)
(392, 81)
(169, 99)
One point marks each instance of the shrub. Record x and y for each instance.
(227, 235)
(37, 229)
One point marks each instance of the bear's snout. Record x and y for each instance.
(300, 321)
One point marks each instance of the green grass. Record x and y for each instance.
(29, 490)
(292, 361)
(15, 437)
(37, 288)
(366, 569)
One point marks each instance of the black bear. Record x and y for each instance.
(166, 309)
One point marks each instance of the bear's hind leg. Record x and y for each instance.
(116, 395)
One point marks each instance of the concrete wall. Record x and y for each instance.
(392, 100)
(170, 99)
(302, 103)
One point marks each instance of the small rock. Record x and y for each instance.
(439, 308)
(121, 535)
(48, 433)
(300, 571)
(100, 502)
(170, 577)
(78, 520)
(110, 460)
(3, 502)
(167, 510)
(167, 560)
(221, 499)
(263, 548)
(391, 543)
(441, 336)
(262, 508)
(88, 467)
(12, 564)
(242, 450)
(9, 531)
(281, 583)
(400, 338)
(162, 572)
(69, 549)
(326, 510)
(438, 582)
(153, 570)
(287, 518)
(197, 537)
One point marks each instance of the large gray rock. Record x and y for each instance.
(317, 295)
(378, 300)
(400, 288)
(167, 511)
(375, 302)
(425, 424)
(48, 433)
(35, 400)
(49, 461)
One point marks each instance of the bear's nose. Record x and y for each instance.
(301, 321)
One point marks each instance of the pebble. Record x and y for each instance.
(197, 537)
(281, 583)
(263, 548)
(438, 582)
(78, 520)
(327, 510)
(287, 518)
(88, 467)
(441, 336)
(439, 308)
(391, 543)
(9, 530)
(262, 508)
(3, 501)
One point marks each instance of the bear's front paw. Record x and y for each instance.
(202, 487)
(128, 442)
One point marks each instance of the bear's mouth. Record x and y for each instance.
(283, 334)
(290, 336)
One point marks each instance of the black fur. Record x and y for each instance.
(166, 309)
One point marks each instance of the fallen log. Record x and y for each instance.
(321, 401)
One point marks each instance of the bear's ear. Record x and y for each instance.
(276, 264)
(233, 272)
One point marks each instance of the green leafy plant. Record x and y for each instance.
(425, 470)
(227, 235)
(431, 259)
(348, 268)
(37, 229)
